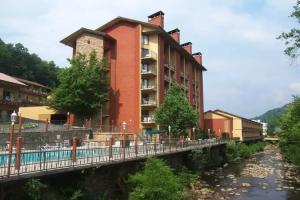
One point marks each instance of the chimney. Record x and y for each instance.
(175, 34)
(198, 57)
(188, 47)
(157, 19)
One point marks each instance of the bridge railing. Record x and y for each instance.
(29, 158)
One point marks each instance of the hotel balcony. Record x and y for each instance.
(148, 73)
(148, 119)
(170, 66)
(186, 76)
(149, 56)
(148, 103)
(148, 88)
(184, 87)
(167, 78)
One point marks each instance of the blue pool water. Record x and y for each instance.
(55, 155)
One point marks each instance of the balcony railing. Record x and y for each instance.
(148, 72)
(148, 102)
(148, 119)
(170, 66)
(167, 78)
(149, 55)
(148, 87)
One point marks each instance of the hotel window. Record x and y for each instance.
(145, 68)
(145, 39)
(145, 52)
(145, 83)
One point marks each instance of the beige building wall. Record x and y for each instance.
(86, 43)
(37, 112)
(251, 130)
(236, 125)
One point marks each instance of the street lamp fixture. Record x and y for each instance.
(13, 118)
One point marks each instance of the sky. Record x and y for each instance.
(247, 72)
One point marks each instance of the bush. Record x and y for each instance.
(235, 150)
(225, 136)
(33, 189)
(156, 181)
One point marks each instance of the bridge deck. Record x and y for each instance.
(62, 159)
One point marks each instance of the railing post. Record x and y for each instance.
(110, 148)
(170, 140)
(46, 125)
(11, 136)
(20, 124)
(155, 145)
(18, 154)
(123, 147)
(74, 145)
(136, 146)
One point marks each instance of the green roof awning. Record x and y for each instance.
(151, 132)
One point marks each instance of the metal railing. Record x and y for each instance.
(29, 159)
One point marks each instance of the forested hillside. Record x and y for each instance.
(272, 118)
(15, 60)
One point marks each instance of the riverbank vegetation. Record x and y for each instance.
(290, 135)
(237, 150)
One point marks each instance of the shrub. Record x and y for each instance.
(224, 136)
(33, 189)
(156, 181)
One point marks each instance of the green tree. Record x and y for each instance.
(290, 135)
(156, 182)
(83, 87)
(292, 38)
(176, 112)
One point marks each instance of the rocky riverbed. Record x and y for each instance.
(263, 176)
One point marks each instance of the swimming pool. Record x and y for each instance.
(32, 157)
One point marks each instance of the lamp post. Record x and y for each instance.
(194, 137)
(123, 143)
(13, 119)
(169, 129)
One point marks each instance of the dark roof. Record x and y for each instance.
(156, 14)
(197, 53)
(176, 30)
(185, 44)
(10, 79)
(69, 40)
(31, 83)
(160, 30)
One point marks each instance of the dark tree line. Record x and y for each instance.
(15, 60)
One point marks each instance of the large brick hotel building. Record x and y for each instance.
(144, 60)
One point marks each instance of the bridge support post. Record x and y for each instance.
(74, 145)
(18, 154)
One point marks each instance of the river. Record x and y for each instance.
(263, 176)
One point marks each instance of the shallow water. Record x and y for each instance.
(264, 176)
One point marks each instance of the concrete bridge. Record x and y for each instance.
(31, 160)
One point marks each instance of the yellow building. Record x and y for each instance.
(242, 128)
